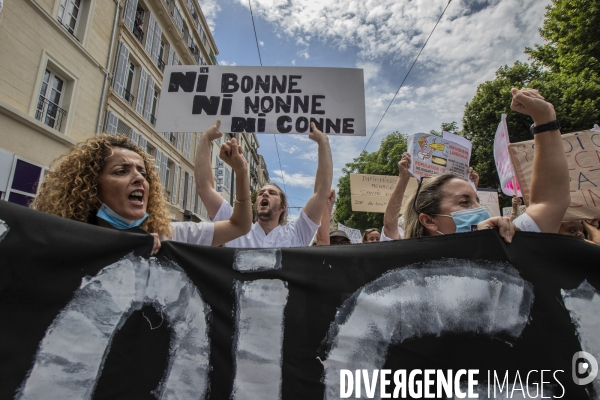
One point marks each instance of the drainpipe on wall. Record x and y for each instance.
(106, 72)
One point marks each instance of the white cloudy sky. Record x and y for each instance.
(473, 39)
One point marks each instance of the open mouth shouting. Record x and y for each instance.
(264, 203)
(137, 197)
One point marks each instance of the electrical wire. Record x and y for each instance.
(261, 64)
(406, 76)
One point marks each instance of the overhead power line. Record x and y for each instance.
(406, 76)
(261, 64)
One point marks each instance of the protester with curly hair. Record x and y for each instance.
(111, 182)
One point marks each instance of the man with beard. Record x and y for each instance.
(270, 229)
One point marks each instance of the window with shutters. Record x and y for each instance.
(143, 143)
(139, 23)
(122, 72)
(168, 182)
(111, 122)
(186, 144)
(49, 106)
(175, 184)
(141, 92)
(128, 90)
(73, 15)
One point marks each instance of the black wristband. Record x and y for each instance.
(550, 126)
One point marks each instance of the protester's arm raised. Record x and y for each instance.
(550, 196)
(241, 220)
(203, 174)
(314, 206)
(392, 211)
(323, 231)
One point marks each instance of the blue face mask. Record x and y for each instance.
(116, 221)
(467, 220)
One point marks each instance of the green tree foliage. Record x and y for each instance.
(572, 36)
(384, 161)
(566, 72)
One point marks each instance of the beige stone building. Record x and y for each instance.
(54, 64)
(70, 69)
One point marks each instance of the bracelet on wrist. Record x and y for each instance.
(242, 201)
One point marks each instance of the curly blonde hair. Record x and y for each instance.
(70, 189)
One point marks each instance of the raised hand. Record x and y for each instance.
(232, 155)
(316, 134)
(531, 102)
(213, 132)
(404, 165)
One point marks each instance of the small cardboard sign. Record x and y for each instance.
(433, 155)
(371, 193)
(489, 199)
(262, 99)
(583, 157)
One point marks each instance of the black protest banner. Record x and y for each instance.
(263, 99)
(86, 315)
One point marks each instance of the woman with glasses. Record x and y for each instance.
(448, 204)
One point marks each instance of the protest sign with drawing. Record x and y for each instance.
(262, 99)
(489, 199)
(502, 160)
(371, 193)
(582, 150)
(433, 155)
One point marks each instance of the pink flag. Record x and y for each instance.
(506, 174)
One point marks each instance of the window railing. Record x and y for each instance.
(161, 65)
(152, 119)
(49, 113)
(139, 34)
(128, 96)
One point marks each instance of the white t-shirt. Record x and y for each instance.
(200, 233)
(526, 224)
(384, 238)
(298, 233)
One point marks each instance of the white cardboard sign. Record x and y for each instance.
(262, 99)
(433, 155)
(354, 234)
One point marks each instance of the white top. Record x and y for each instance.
(526, 224)
(200, 233)
(298, 233)
(384, 238)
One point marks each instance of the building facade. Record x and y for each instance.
(71, 69)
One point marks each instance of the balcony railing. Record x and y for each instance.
(139, 34)
(152, 119)
(128, 96)
(49, 113)
(161, 65)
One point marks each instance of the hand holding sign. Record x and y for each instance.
(316, 134)
(213, 132)
(531, 102)
(404, 166)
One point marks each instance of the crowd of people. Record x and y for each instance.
(111, 182)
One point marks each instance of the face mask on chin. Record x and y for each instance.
(467, 220)
(116, 221)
